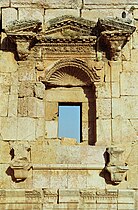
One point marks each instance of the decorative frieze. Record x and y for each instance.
(99, 196)
(50, 196)
(32, 196)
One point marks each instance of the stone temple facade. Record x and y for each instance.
(71, 52)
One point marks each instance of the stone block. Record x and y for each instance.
(133, 53)
(85, 130)
(134, 124)
(8, 15)
(126, 52)
(103, 132)
(7, 62)
(126, 107)
(68, 154)
(135, 14)
(9, 128)
(39, 90)
(126, 197)
(89, 155)
(116, 68)
(40, 128)
(134, 44)
(60, 4)
(77, 179)
(91, 14)
(51, 13)
(5, 178)
(41, 179)
(115, 86)
(5, 152)
(85, 112)
(22, 107)
(69, 196)
(46, 153)
(4, 102)
(26, 129)
(123, 131)
(59, 178)
(51, 111)
(26, 89)
(31, 13)
(5, 79)
(76, 94)
(26, 71)
(103, 108)
(13, 104)
(14, 83)
(35, 107)
(129, 83)
(103, 90)
(51, 129)
(132, 174)
(107, 72)
(94, 180)
(4, 89)
(106, 206)
(130, 66)
(68, 141)
(4, 3)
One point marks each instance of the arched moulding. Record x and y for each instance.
(70, 73)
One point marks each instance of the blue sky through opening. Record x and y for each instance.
(69, 122)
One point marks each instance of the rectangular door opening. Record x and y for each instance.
(70, 121)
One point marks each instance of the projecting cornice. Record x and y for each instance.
(68, 34)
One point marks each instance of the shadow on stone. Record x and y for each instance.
(104, 173)
(10, 172)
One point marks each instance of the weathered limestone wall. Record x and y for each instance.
(73, 173)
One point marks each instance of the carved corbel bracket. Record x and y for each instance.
(20, 160)
(116, 165)
(114, 33)
(114, 41)
(20, 167)
(22, 43)
(23, 34)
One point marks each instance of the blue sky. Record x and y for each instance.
(69, 122)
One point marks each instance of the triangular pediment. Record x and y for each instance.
(68, 26)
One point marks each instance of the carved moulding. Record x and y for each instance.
(71, 72)
(98, 196)
(116, 165)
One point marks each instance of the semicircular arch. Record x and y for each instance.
(71, 72)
